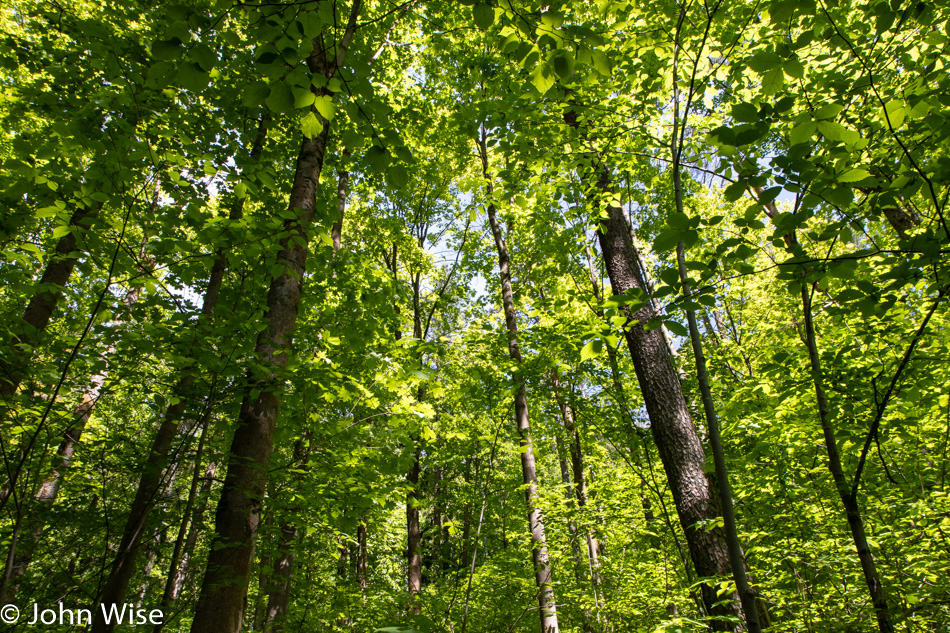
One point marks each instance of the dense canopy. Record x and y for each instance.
(478, 316)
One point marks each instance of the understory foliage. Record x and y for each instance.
(795, 153)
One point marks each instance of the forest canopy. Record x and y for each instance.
(478, 316)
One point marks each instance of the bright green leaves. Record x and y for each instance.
(773, 80)
(484, 15)
(543, 77)
(310, 125)
(303, 97)
(324, 105)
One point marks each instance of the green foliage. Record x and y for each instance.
(813, 150)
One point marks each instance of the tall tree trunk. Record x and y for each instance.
(278, 583)
(224, 588)
(672, 426)
(572, 531)
(539, 550)
(848, 499)
(49, 290)
(579, 486)
(280, 580)
(189, 516)
(414, 534)
(23, 547)
(154, 469)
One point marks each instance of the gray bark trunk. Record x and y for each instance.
(539, 550)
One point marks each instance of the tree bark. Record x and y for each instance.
(40, 308)
(848, 500)
(414, 537)
(672, 426)
(153, 470)
(539, 550)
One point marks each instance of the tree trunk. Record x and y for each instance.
(41, 305)
(848, 500)
(181, 552)
(153, 470)
(572, 531)
(539, 550)
(414, 534)
(671, 424)
(224, 588)
(280, 580)
(24, 546)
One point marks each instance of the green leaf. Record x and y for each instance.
(794, 68)
(765, 62)
(280, 99)
(543, 77)
(192, 77)
(896, 112)
(484, 15)
(325, 107)
(563, 63)
(676, 328)
(600, 62)
(303, 98)
(828, 111)
(167, 49)
(854, 175)
(593, 348)
(255, 94)
(667, 240)
(310, 125)
(803, 132)
(310, 24)
(773, 80)
(745, 113)
(204, 57)
(837, 132)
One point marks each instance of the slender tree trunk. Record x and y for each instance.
(14, 363)
(362, 562)
(579, 486)
(24, 545)
(539, 550)
(414, 534)
(342, 190)
(180, 553)
(736, 557)
(154, 469)
(572, 531)
(280, 580)
(848, 500)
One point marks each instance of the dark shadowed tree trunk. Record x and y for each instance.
(39, 310)
(153, 477)
(223, 594)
